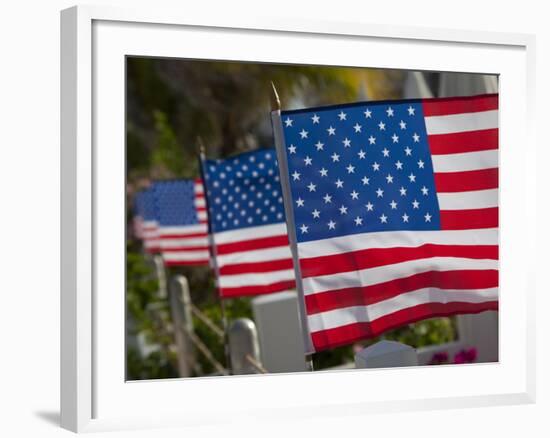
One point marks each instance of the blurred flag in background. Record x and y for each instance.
(137, 220)
(145, 220)
(247, 224)
(394, 206)
(182, 222)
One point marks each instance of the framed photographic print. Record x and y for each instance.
(253, 208)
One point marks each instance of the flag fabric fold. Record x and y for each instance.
(247, 224)
(394, 207)
(182, 222)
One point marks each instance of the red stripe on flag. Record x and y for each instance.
(363, 296)
(252, 244)
(373, 257)
(247, 268)
(456, 105)
(186, 262)
(152, 249)
(183, 236)
(149, 227)
(461, 142)
(469, 219)
(450, 182)
(229, 292)
(347, 334)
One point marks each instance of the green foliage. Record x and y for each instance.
(332, 358)
(141, 285)
(155, 366)
(140, 157)
(423, 333)
(141, 299)
(169, 157)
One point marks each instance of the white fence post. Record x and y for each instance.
(160, 271)
(280, 333)
(243, 346)
(180, 307)
(386, 354)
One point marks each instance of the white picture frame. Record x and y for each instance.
(94, 43)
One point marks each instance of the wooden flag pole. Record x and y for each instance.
(225, 325)
(280, 148)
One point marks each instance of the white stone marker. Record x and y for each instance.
(279, 331)
(480, 331)
(386, 354)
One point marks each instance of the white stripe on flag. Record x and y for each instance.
(465, 162)
(381, 274)
(149, 224)
(188, 242)
(256, 279)
(462, 122)
(150, 234)
(468, 200)
(186, 256)
(200, 202)
(183, 230)
(250, 233)
(357, 314)
(356, 242)
(257, 255)
(151, 243)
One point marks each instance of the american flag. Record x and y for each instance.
(182, 222)
(137, 220)
(247, 224)
(146, 211)
(394, 208)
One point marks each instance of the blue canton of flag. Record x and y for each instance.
(147, 213)
(244, 191)
(145, 205)
(355, 169)
(174, 202)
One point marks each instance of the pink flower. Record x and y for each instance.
(466, 356)
(439, 358)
